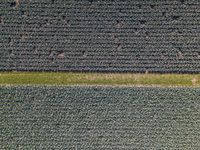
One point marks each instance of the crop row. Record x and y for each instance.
(99, 118)
(117, 35)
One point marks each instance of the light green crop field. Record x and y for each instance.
(110, 79)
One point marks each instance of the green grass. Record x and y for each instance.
(129, 79)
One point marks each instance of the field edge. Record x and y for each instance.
(99, 79)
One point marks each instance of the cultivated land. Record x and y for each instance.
(110, 79)
(69, 110)
(91, 35)
(99, 118)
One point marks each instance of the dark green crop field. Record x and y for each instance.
(99, 118)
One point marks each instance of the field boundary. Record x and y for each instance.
(99, 79)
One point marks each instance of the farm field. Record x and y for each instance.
(99, 75)
(100, 36)
(76, 117)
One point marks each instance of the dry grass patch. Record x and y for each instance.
(69, 78)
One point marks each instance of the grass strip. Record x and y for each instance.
(69, 78)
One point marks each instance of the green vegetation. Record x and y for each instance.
(99, 118)
(127, 79)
